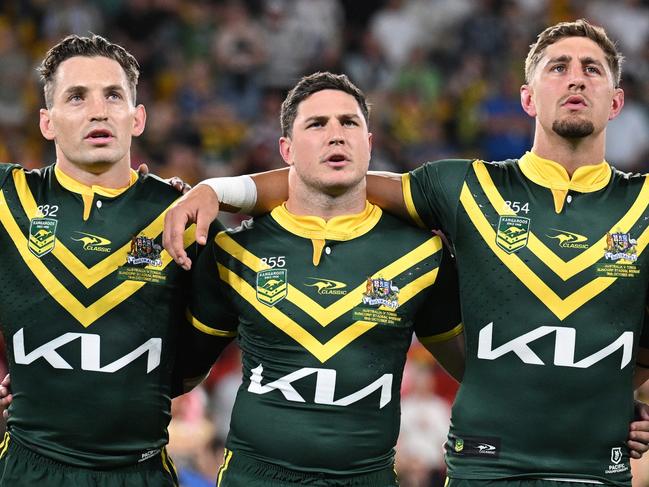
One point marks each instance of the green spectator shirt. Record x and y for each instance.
(325, 313)
(91, 308)
(553, 286)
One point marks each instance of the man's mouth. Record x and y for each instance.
(99, 135)
(575, 102)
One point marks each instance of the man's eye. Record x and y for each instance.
(592, 70)
(559, 68)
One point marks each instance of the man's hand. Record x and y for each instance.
(5, 395)
(177, 183)
(639, 435)
(200, 206)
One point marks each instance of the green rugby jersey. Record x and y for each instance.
(90, 307)
(325, 313)
(553, 286)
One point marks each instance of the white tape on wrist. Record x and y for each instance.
(238, 191)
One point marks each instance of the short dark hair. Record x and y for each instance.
(74, 45)
(578, 28)
(311, 84)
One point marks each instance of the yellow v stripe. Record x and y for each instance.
(560, 307)
(88, 276)
(227, 456)
(565, 270)
(325, 315)
(322, 352)
(86, 315)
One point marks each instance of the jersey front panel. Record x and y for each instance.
(90, 313)
(553, 304)
(324, 345)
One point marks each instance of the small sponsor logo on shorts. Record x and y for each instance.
(475, 446)
(148, 454)
(618, 464)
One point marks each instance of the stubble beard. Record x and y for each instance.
(573, 128)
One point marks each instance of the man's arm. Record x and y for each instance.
(201, 205)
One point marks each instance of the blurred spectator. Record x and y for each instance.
(624, 149)
(396, 31)
(202, 469)
(239, 53)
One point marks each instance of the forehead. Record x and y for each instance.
(328, 103)
(575, 48)
(89, 72)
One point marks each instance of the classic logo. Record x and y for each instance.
(272, 286)
(381, 292)
(93, 242)
(144, 251)
(512, 233)
(616, 455)
(569, 240)
(621, 246)
(42, 236)
(327, 286)
(476, 446)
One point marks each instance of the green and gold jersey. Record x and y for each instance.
(90, 307)
(324, 313)
(553, 283)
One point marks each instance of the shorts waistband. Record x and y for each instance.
(152, 463)
(259, 468)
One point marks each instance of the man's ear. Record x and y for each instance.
(285, 150)
(527, 100)
(45, 124)
(139, 121)
(617, 103)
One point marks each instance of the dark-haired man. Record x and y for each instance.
(323, 324)
(91, 306)
(553, 274)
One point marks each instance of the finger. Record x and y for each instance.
(6, 382)
(143, 170)
(638, 448)
(186, 188)
(643, 411)
(172, 236)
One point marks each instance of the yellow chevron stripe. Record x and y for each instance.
(322, 352)
(325, 315)
(227, 456)
(560, 307)
(86, 315)
(90, 276)
(565, 270)
(196, 323)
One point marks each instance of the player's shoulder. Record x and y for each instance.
(156, 188)
(622, 178)
(395, 232)
(447, 165)
(8, 169)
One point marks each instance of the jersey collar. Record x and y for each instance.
(340, 228)
(552, 175)
(88, 192)
(345, 227)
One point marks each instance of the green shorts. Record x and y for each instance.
(21, 467)
(243, 471)
(518, 482)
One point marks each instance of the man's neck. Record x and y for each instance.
(316, 203)
(112, 176)
(570, 153)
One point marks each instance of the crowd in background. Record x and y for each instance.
(442, 77)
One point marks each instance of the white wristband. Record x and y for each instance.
(239, 191)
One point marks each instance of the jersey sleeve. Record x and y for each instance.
(211, 324)
(439, 319)
(432, 193)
